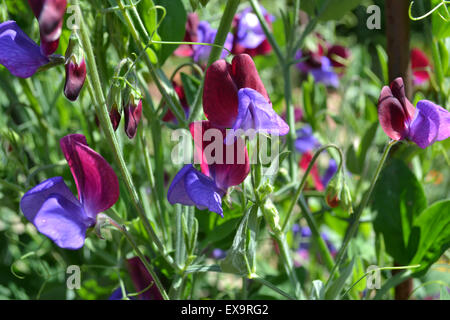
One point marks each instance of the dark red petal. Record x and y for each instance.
(96, 181)
(391, 115)
(49, 48)
(419, 62)
(220, 100)
(229, 169)
(132, 117)
(75, 77)
(36, 6)
(398, 91)
(245, 74)
(50, 19)
(142, 279)
(114, 116)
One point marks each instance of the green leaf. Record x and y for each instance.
(432, 228)
(148, 15)
(317, 290)
(190, 86)
(440, 27)
(172, 27)
(241, 256)
(398, 199)
(335, 9)
(338, 284)
(444, 295)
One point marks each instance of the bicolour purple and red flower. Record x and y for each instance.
(249, 36)
(222, 166)
(53, 209)
(234, 97)
(75, 78)
(21, 55)
(424, 125)
(319, 66)
(206, 34)
(420, 66)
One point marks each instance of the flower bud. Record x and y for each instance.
(338, 193)
(133, 113)
(75, 69)
(114, 101)
(272, 217)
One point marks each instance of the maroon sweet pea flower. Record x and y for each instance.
(424, 125)
(50, 14)
(419, 65)
(75, 77)
(133, 115)
(186, 50)
(336, 54)
(222, 83)
(142, 280)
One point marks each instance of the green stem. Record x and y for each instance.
(103, 115)
(222, 31)
(355, 224)
(145, 262)
(273, 287)
(305, 176)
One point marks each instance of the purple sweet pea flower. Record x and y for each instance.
(306, 141)
(219, 254)
(424, 125)
(329, 173)
(320, 67)
(256, 112)
(55, 211)
(250, 34)
(206, 34)
(18, 53)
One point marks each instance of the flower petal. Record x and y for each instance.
(132, 118)
(64, 222)
(419, 64)
(391, 115)
(191, 187)
(97, 183)
(19, 54)
(245, 75)
(398, 91)
(220, 100)
(431, 124)
(329, 173)
(142, 279)
(51, 19)
(75, 77)
(255, 112)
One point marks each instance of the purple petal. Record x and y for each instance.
(255, 112)
(331, 170)
(206, 34)
(63, 222)
(18, 53)
(191, 187)
(249, 31)
(325, 74)
(305, 140)
(431, 123)
(97, 183)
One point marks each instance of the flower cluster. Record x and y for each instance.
(233, 97)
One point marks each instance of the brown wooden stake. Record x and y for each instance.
(398, 50)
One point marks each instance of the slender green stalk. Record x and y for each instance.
(305, 176)
(222, 31)
(273, 287)
(355, 224)
(145, 262)
(102, 112)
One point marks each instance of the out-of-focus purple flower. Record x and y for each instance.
(219, 254)
(330, 245)
(249, 37)
(52, 207)
(206, 34)
(330, 172)
(185, 50)
(424, 125)
(118, 295)
(319, 66)
(18, 53)
(306, 141)
(75, 77)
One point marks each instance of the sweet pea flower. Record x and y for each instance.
(75, 78)
(133, 113)
(18, 53)
(234, 97)
(50, 14)
(424, 125)
(54, 210)
(419, 65)
(249, 36)
(206, 34)
(228, 166)
(319, 66)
